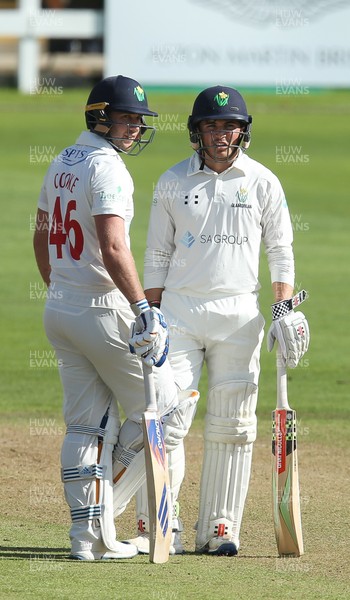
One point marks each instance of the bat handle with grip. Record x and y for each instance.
(282, 395)
(150, 391)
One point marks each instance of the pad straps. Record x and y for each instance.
(85, 429)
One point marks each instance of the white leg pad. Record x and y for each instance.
(128, 465)
(129, 472)
(80, 450)
(86, 460)
(106, 488)
(230, 431)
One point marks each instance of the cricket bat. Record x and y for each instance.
(285, 478)
(158, 487)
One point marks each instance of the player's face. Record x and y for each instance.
(220, 139)
(125, 130)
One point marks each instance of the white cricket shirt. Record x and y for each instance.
(86, 179)
(206, 229)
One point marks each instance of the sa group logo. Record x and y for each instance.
(188, 239)
(224, 238)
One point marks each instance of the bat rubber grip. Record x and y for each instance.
(150, 391)
(282, 395)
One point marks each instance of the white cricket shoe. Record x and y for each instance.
(176, 547)
(123, 550)
(141, 542)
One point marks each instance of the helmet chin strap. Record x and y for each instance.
(229, 158)
(136, 147)
(231, 149)
(139, 144)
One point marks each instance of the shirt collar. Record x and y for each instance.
(196, 162)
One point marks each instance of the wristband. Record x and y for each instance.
(282, 308)
(154, 303)
(139, 307)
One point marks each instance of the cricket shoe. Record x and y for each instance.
(219, 547)
(176, 547)
(123, 550)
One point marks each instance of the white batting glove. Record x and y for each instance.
(149, 335)
(290, 329)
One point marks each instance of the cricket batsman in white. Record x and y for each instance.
(209, 216)
(82, 249)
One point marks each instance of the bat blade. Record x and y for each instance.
(285, 481)
(158, 486)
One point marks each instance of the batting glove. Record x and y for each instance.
(149, 336)
(290, 329)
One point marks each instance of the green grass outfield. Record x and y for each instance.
(303, 138)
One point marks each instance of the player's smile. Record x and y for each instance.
(220, 139)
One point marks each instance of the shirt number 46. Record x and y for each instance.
(62, 229)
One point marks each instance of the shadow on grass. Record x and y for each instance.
(57, 554)
(31, 553)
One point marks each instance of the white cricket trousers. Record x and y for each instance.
(98, 373)
(95, 363)
(226, 333)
